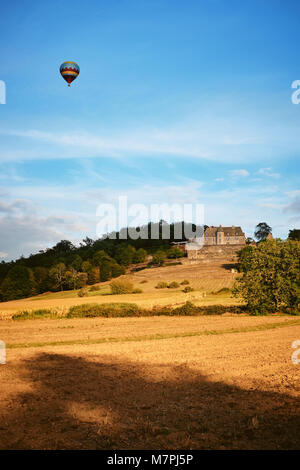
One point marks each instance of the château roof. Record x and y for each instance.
(231, 231)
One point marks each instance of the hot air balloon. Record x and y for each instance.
(69, 71)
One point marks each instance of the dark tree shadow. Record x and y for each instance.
(101, 403)
(230, 266)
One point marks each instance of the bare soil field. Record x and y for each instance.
(217, 382)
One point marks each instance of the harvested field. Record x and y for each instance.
(230, 385)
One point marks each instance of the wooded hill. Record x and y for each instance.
(66, 266)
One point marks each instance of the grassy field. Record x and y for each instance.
(204, 278)
(204, 382)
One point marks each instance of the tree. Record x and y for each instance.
(294, 234)
(139, 256)
(70, 278)
(64, 247)
(124, 255)
(81, 281)
(41, 278)
(57, 274)
(105, 263)
(86, 267)
(76, 262)
(117, 270)
(93, 275)
(262, 230)
(174, 253)
(159, 258)
(18, 283)
(271, 277)
(249, 240)
(87, 242)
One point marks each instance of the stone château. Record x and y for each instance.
(216, 241)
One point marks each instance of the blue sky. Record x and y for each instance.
(179, 102)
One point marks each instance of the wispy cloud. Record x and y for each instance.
(268, 172)
(205, 138)
(294, 206)
(239, 173)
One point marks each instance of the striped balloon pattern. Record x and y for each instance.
(69, 71)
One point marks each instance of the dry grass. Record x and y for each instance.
(204, 278)
(237, 390)
(206, 382)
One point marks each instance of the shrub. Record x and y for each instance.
(82, 293)
(139, 256)
(174, 253)
(143, 281)
(161, 285)
(185, 282)
(137, 291)
(128, 310)
(105, 310)
(158, 258)
(187, 309)
(32, 314)
(121, 286)
(117, 270)
(188, 289)
(173, 285)
(94, 288)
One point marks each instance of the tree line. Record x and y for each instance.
(66, 266)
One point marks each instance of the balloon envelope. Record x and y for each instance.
(69, 71)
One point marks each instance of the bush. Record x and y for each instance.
(128, 310)
(188, 289)
(185, 282)
(174, 253)
(94, 288)
(34, 314)
(173, 285)
(105, 310)
(140, 256)
(144, 281)
(137, 291)
(161, 285)
(187, 309)
(158, 258)
(82, 293)
(121, 286)
(117, 270)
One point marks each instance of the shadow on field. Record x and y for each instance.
(229, 266)
(73, 403)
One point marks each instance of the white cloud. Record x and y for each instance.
(268, 172)
(294, 206)
(198, 137)
(239, 173)
(3, 254)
